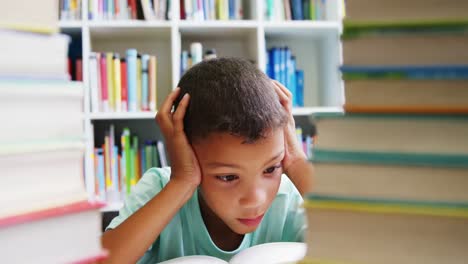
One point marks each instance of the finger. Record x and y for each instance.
(178, 116)
(283, 97)
(166, 106)
(164, 115)
(284, 89)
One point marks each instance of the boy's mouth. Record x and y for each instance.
(251, 221)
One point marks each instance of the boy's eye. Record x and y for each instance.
(272, 169)
(227, 178)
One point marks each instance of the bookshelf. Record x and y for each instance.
(316, 44)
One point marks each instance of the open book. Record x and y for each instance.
(272, 253)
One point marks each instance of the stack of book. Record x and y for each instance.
(45, 216)
(123, 84)
(117, 172)
(391, 173)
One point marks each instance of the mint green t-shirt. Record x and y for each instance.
(186, 234)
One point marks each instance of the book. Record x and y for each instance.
(419, 72)
(275, 252)
(407, 48)
(61, 234)
(48, 173)
(406, 96)
(436, 136)
(402, 11)
(389, 176)
(37, 102)
(36, 16)
(27, 55)
(353, 230)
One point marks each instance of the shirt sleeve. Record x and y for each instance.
(295, 224)
(152, 182)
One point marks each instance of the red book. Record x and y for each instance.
(123, 86)
(182, 10)
(79, 69)
(133, 8)
(103, 78)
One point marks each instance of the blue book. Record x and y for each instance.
(132, 79)
(143, 165)
(115, 169)
(183, 62)
(300, 88)
(438, 72)
(270, 69)
(101, 174)
(283, 65)
(293, 81)
(267, 63)
(206, 9)
(276, 64)
(110, 10)
(144, 81)
(287, 81)
(232, 10)
(296, 8)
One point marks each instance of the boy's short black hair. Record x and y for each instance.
(229, 95)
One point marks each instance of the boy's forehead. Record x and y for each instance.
(224, 147)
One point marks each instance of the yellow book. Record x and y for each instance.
(117, 83)
(110, 81)
(152, 72)
(107, 163)
(139, 85)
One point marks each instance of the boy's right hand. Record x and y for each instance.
(184, 164)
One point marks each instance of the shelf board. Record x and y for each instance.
(216, 27)
(301, 28)
(129, 24)
(304, 111)
(130, 28)
(297, 111)
(122, 115)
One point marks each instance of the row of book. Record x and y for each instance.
(123, 84)
(129, 9)
(118, 165)
(280, 10)
(202, 10)
(281, 65)
(44, 206)
(70, 10)
(391, 172)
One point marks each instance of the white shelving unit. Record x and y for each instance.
(316, 45)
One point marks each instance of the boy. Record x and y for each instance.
(229, 139)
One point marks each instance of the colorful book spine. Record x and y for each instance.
(132, 79)
(144, 82)
(152, 68)
(123, 85)
(104, 89)
(117, 82)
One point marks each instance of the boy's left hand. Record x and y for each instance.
(294, 153)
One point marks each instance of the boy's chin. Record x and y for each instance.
(242, 229)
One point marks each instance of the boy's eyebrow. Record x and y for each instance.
(275, 157)
(223, 164)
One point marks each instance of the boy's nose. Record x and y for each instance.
(254, 197)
